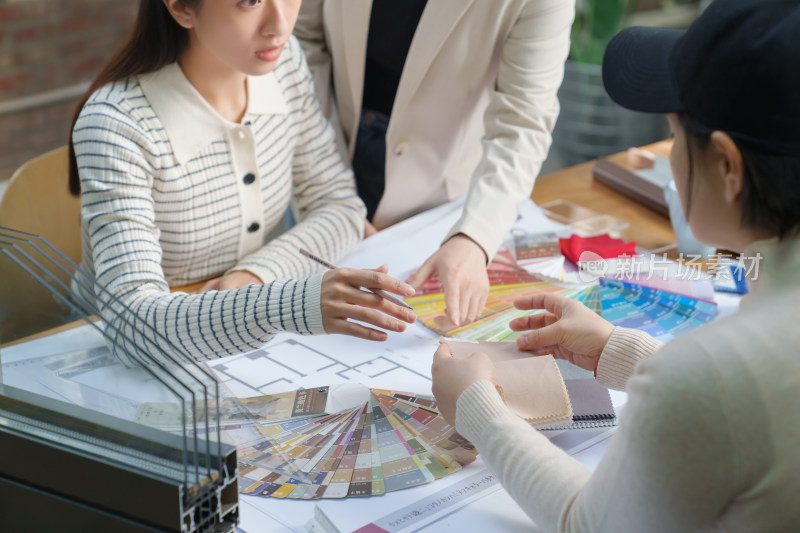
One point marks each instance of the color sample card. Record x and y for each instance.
(505, 286)
(235, 413)
(661, 313)
(701, 289)
(533, 246)
(394, 441)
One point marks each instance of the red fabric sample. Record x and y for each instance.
(602, 245)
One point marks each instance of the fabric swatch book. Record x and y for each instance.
(532, 386)
(591, 405)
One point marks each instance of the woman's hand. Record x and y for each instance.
(452, 376)
(461, 266)
(233, 280)
(567, 329)
(369, 229)
(342, 301)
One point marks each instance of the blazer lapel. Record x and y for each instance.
(438, 20)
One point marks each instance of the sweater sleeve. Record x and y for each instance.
(623, 351)
(114, 156)
(669, 467)
(331, 214)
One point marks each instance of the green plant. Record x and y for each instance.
(596, 22)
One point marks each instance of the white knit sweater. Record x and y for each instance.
(708, 440)
(172, 193)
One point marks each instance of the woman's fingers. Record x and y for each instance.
(374, 279)
(383, 268)
(476, 303)
(345, 314)
(422, 275)
(337, 315)
(550, 302)
(538, 338)
(372, 316)
(535, 321)
(443, 353)
(453, 306)
(344, 301)
(344, 327)
(351, 295)
(210, 285)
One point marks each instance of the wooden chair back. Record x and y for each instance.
(37, 200)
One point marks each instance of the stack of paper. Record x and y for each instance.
(393, 441)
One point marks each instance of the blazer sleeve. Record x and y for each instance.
(518, 121)
(310, 32)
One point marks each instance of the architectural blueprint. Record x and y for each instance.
(292, 362)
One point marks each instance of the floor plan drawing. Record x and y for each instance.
(291, 362)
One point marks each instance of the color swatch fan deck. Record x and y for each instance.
(394, 441)
(660, 313)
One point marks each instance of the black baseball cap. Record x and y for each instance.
(736, 69)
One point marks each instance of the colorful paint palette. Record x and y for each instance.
(394, 441)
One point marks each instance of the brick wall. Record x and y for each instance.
(50, 45)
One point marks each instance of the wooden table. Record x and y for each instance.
(575, 184)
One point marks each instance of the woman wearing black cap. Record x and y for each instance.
(709, 438)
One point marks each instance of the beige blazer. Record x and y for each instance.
(474, 109)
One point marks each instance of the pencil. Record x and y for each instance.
(380, 292)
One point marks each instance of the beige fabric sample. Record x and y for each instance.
(532, 385)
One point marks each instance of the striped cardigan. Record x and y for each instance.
(172, 193)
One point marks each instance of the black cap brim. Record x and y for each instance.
(637, 73)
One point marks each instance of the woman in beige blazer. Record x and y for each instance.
(473, 113)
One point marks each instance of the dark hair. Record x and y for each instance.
(155, 40)
(771, 189)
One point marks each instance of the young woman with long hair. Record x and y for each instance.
(186, 152)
